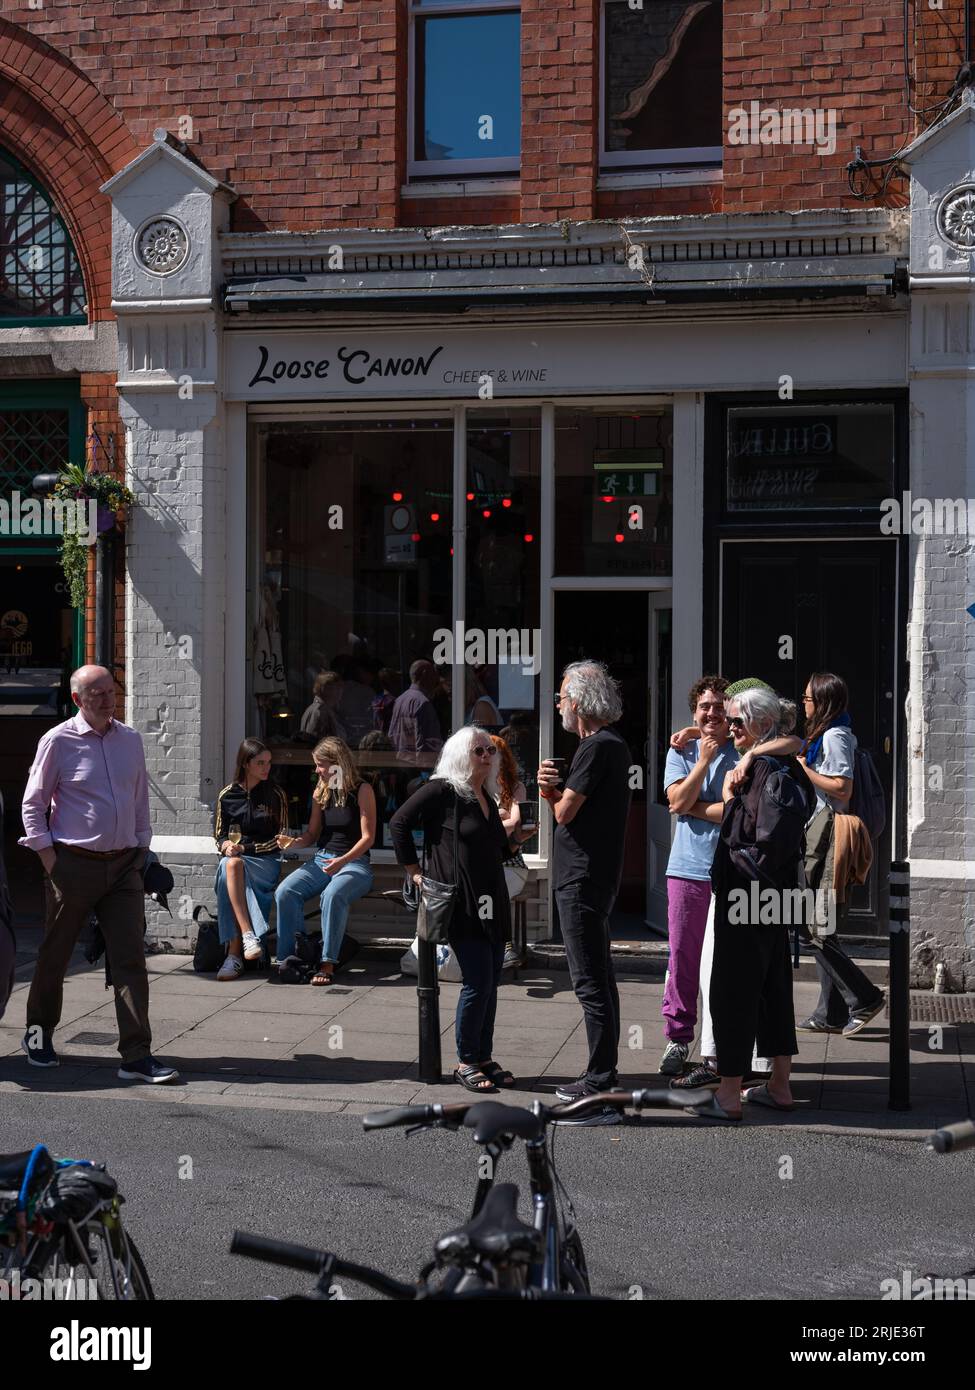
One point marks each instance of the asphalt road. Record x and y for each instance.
(665, 1211)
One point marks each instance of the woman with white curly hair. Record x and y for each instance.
(466, 779)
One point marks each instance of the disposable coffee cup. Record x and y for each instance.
(529, 817)
(559, 767)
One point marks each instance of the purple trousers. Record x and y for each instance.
(688, 901)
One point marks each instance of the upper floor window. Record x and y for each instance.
(465, 87)
(661, 83)
(40, 278)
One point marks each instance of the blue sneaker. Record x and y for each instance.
(147, 1069)
(37, 1045)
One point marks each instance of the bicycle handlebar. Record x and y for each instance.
(317, 1262)
(427, 1114)
(952, 1138)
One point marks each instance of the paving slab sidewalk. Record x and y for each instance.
(257, 1043)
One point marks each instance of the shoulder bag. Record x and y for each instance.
(437, 900)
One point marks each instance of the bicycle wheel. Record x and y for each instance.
(95, 1260)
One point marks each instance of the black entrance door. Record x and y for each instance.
(789, 608)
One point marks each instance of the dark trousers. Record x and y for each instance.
(480, 962)
(843, 987)
(751, 992)
(584, 918)
(111, 888)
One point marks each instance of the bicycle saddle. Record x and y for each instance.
(496, 1230)
(489, 1118)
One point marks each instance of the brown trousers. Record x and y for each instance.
(111, 888)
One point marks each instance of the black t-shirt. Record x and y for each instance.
(590, 847)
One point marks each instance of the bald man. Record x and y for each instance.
(86, 816)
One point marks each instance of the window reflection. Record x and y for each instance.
(502, 599)
(614, 489)
(355, 584)
(467, 87)
(662, 79)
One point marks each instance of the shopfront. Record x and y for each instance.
(532, 532)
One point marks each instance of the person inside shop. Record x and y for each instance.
(251, 811)
(343, 826)
(414, 727)
(464, 786)
(322, 718)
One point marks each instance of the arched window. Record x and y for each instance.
(40, 278)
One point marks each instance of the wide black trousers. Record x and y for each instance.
(751, 992)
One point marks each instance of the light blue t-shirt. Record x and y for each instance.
(696, 840)
(835, 759)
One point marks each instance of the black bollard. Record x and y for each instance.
(428, 1006)
(899, 986)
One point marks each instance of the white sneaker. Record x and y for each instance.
(672, 1062)
(231, 968)
(252, 946)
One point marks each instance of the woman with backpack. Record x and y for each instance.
(755, 873)
(847, 999)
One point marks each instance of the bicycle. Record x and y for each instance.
(495, 1253)
(61, 1225)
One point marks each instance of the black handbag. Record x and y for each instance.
(437, 899)
(209, 953)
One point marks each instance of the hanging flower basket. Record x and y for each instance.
(113, 499)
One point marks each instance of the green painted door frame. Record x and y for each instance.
(16, 396)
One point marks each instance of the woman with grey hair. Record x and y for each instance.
(760, 847)
(465, 783)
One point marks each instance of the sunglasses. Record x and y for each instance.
(485, 752)
(736, 723)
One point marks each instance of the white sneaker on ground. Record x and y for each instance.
(231, 968)
(252, 946)
(675, 1055)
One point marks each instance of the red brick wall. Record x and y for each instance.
(302, 107)
(559, 126)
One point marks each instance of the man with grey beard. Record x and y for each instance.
(591, 813)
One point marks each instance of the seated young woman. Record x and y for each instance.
(343, 825)
(250, 814)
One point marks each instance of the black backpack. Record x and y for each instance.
(868, 800)
(764, 829)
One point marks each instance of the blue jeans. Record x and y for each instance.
(480, 963)
(261, 874)
(337, 893)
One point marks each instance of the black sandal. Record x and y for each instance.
(498, 1075)
(700, 1075)
(468, 1077)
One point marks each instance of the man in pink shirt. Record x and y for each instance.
(86, 815)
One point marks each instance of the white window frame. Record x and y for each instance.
(700, 156)
(438, 168)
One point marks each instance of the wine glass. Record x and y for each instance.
(233, 834)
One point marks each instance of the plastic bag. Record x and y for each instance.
(448, 967)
